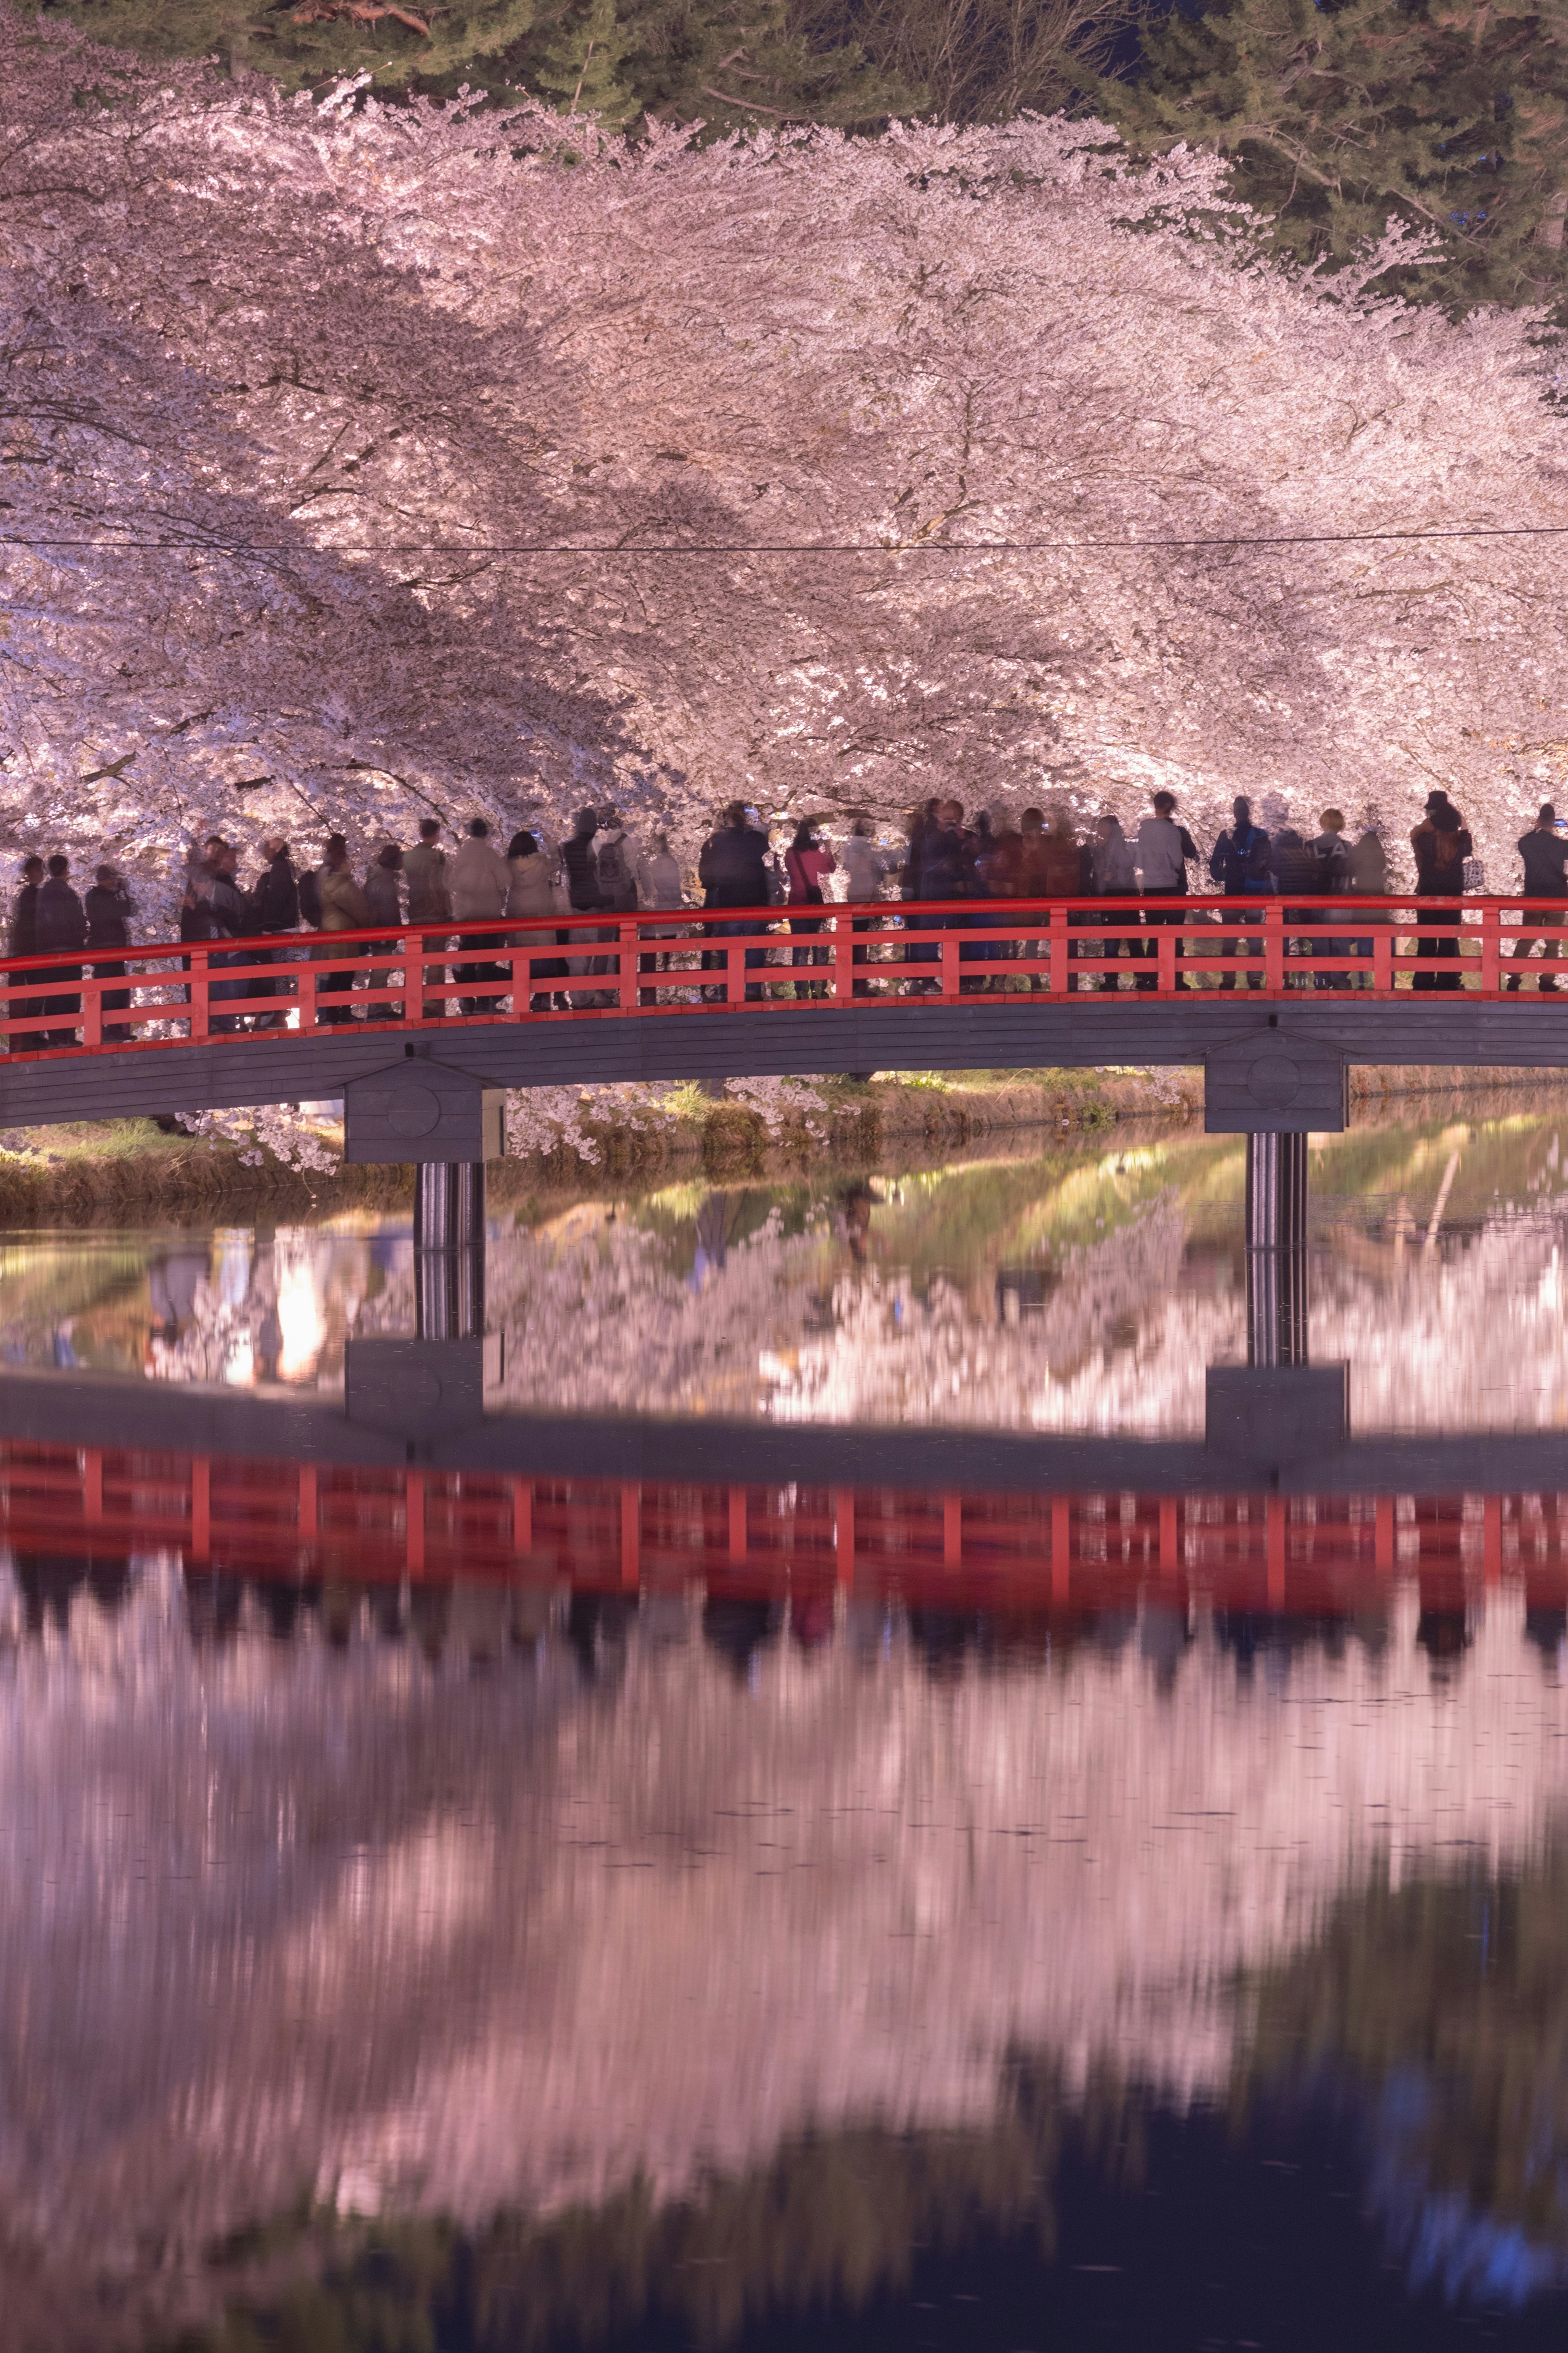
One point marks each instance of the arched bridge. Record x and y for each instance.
(417, 1028)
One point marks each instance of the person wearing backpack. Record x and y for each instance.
(1442, 844)
(1240, 865)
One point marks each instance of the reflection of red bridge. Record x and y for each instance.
(315, 1523)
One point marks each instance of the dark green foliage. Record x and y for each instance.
(302, 42)
(730, 66)
(1460, 1985)
(830, 2222)
(1449, 118)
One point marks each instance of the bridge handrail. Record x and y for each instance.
(675, 963)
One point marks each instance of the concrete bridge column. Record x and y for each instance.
(1276, 1248)
(450, 1249)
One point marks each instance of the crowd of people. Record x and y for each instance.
(760, 879)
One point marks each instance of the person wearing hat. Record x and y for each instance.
(1442, 844)
(1545, 856)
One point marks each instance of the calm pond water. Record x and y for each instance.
(457, 1896)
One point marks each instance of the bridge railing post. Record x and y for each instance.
(843, 958)
(1273, 946)
(92, 1007)
(1060, 980)
(1491, 950)
(200, 1023)
(627, 933)
(309, 1014)
(1382, 946)
(949, 947)
(735, 972)
(1165, 943)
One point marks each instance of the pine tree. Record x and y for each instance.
(734, 65)
(1450, 116)
(313, 42)
(580, 64)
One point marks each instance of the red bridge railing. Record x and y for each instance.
(679, 964)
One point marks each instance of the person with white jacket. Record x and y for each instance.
(480, 880)
(659, 885)
(1162, 850)
(865, 869)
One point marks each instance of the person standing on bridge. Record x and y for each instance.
(1162, 851)
(866, 869)
(275, 911)
(1239, 863)
(1441, 845)
(480, 880)
(530, 894)
(733, 872)
(580, 865)
(1545, 856)
(1113, 876)
(61, 928)
(659, 885)
(22, 939)
(343, 910)
(384, 897)
(807, 863)
(231, 920)
(109, 908)
(430, 898)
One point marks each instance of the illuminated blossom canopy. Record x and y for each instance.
(855, 448)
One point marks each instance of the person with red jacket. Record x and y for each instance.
(807, 865)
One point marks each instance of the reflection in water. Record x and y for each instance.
(1088, 1290)
(462, 1901)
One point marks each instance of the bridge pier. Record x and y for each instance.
(450, 1249)
(1276, 1248)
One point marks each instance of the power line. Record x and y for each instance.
(793, 547)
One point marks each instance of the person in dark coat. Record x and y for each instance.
(23, 941)
(1545, 856)
(60, 929)
(733, 872)
(1240, 865)
(1442, 844)
(109, 908)
(580, 865)
(275, 910)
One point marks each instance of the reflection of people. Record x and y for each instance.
(856, 1202)
(171, 1282)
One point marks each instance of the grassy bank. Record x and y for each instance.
(131, 1172)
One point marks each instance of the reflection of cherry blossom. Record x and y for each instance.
(293, 1919)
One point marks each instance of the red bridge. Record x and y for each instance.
(1275, 1000)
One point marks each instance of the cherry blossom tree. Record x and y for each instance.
(362, 459)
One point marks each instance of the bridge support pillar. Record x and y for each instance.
(450, 1249)
(1276, 1248)
(1277, 1409)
